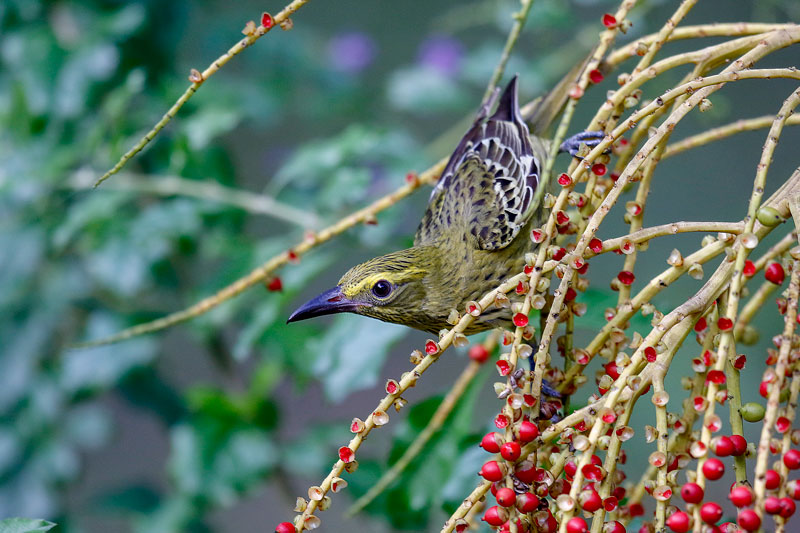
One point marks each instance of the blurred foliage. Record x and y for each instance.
(301, 117)
(79, 83)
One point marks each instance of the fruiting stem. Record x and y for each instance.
(753, 306)
(433, 426)
(611, 461)
(513, 36)
(773, 400)
(263, 271)
(662, 441)
(735, 416)
(469, 502)
(218, 63)
(607, 38)
(208, 190)
(646, 234)
(663, 34)
(691, 32)
(722, 132)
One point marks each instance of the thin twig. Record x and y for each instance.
(520, 18)
(198, 79)
(433, 426)
(259, 204)
(261, 273)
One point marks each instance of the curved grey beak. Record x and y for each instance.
(329, 302)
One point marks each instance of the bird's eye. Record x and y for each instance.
(382, 288)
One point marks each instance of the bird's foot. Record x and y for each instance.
(589, 138)
(550, 391)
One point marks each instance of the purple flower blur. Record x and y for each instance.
(351, 52)
(442, 54)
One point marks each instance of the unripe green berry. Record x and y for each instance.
(753, 412)
(769, 216)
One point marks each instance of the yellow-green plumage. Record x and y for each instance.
(474, 234)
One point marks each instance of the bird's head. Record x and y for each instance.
(391, 288)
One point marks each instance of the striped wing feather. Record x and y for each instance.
(487, 187)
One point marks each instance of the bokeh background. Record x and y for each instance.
(218, 424)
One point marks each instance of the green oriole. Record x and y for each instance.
(474, 234)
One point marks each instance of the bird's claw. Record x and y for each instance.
(589, 138)
(550, 391)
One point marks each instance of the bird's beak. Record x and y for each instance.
(327, 303)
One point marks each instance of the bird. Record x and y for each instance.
(474, 234)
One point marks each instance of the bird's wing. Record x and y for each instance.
(487, 187)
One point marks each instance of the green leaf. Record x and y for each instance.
(25, 525)
(351, 353)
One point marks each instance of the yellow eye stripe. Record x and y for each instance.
(395, 278)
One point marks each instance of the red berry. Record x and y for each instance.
(787, 507)
(679, 522)
(528, 431)
(713, 469)
(495, 516)
(772, 505)
(525, 472)
(773, 480)
(716, 376)
(275, 285)
(792, 459)
(267, 21)
(431, 347)
(741, 496)
(722, 446)
(520, 320)
(506, 497)
(612, 369)
(577, 524)
(749, 268)
(650, 354)
(595, 76)
(527, 502)
(596, 245)
(590, 500)
(692, 493)
(749, 519)
(510, 451)
(570, 469)
(609, 20)
(491, 442)
(285, 527)
(492, 471)
(599, 169)
(711, 512)
(775, 273)
(739, 445)
(610, 504)
(724, 324)
(613, 527)
(478, 353)
(346, 455)
(626, 277)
